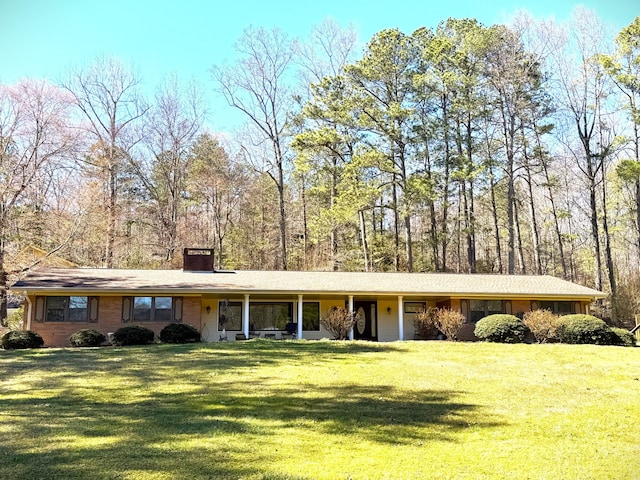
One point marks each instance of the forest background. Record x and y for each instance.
(511, 149)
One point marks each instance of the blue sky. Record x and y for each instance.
(42, 38)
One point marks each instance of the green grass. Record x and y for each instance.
(321, 410)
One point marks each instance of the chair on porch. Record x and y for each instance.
(290, 329)
(240, 336)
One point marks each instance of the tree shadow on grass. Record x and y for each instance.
(157, 412)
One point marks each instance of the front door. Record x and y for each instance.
(366, 327)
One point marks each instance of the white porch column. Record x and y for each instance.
(400, 319)
(245, 316)
(300, 309)
(351, 311)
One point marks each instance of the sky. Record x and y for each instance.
(44, 38)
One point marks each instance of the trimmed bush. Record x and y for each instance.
(17, 339)
(179, 333)
(580, 328)
(501, 328)
(543, 324)
(132, 335)
(339, 322)
(87, 337)
(623, 337)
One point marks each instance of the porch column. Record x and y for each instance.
(300, 305)
(400, 319)
(351, 312)
(245, 316)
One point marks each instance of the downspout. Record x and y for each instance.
(29, 310)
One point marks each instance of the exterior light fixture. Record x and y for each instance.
(389, 310)
(208, 309)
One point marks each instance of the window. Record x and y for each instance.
(311, 316)
(414, 307)
(67, 309)
(479, 309)
(230, 316)
(270, 315)
(152, 309)
(560, 308)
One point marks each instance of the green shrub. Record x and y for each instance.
(339, 322)
(543, 324)
(580, 328)
(132, 335)
(21, 339)
(87, 337)
(179, 333)
(623, 337)
(501, 328)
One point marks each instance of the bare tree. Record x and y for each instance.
(107, 95)
(35, 141)
(170, 131)
(583, 94)
(256, 85)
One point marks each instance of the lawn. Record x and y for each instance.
(321, 410)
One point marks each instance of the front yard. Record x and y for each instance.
(321, 410)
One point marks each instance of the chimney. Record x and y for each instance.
(198, 260)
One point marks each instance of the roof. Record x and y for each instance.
(116, 281)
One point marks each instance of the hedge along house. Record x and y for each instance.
(274, 304)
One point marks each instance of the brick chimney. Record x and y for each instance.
(198, 260)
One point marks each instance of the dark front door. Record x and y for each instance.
(366, 327)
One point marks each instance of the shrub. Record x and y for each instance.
(86, 338)
(449, 322)
(425, 323)
(339, 322)
(623, 337)
(581, 328)
(21, 339)
(543, 324)
(501, 328)
(132, 335)
(179, 333)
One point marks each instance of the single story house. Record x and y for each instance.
(274, 304)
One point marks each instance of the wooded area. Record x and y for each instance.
(464, 148)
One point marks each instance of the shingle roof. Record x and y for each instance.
(295, 282)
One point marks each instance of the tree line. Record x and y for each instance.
(464, 148)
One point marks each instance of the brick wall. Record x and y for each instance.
(56, 334)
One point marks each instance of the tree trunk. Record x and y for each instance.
(496, 224)
(521, 259)
(363, 239)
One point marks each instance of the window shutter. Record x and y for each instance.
(93, 309)
(126, 309)
(464, 308)
(506, 306)
(177, 309)
(40, 309)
